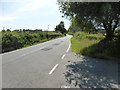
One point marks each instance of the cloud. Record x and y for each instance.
(34, 5)
(7, 18)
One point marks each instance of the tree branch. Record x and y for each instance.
(115, 26)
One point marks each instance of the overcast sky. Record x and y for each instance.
(30, 14)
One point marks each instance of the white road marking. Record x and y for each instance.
(53, 69)
(68, 47)
(63, 56)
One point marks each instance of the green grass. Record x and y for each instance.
(83, 40)
(79, 45)
(90, 45)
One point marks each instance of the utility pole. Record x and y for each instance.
(3, 28)
(48, 27)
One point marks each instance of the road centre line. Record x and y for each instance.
(63, 56)
(53, 69)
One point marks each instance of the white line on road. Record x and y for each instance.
(63, 56)
(53, 69)
(68, 47)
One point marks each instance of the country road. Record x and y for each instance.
(34, 66)
(52, 65)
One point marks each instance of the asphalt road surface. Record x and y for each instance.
(35, 66)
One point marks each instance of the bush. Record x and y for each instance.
(18, 39)
(83, 35)
(92, 45)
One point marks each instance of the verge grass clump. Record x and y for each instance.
(91, 45)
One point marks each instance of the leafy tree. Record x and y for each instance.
(60, 28)
(84, 25)
(74, 27)
(8, 30)
(103, 14)
(3, 30)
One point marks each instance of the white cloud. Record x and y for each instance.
(34, 5)
(7, 18)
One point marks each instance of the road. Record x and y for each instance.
(52, 65)
(35, 66)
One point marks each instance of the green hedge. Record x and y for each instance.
(17, 39)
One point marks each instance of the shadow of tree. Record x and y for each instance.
(104, 50)
(91, 73)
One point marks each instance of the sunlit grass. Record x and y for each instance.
(90, 45)
(79, 45)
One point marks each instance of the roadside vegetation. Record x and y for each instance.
(91, 45)
(12, 40)
(82, 40)
(95, 28)
(61, 28)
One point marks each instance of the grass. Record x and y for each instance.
(79, 45)
(90, 45)
(83, 40)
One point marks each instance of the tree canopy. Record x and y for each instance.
(102, 14)
(60, 28)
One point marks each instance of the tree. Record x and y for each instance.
(83, 25)
(74, 27)
(103, 14)
(60, 28)
(8, 30)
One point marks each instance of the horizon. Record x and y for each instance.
(28, 14)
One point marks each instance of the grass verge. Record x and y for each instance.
(90, 45)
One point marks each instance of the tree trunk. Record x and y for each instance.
(109, 34)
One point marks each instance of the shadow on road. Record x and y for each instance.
(92, 73)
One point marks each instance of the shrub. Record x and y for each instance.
(18, 39)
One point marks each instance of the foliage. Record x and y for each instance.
(104, 14)
(17, 39)
(91, 45)
(60, 28)
(83, 35)
(85, 26)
